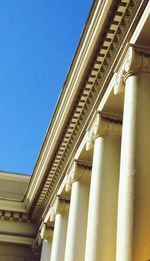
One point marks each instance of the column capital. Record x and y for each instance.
(137, 60)
(52, 214)
(102, 127)
(60, 205)
(46, 232)
(79, 171)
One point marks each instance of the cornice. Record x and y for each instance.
(68, 96)
(110, 43)
(72, 84)
(16, 226)
(15, 177)
(13, 187)
(15, 223)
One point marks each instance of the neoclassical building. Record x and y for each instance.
(88, 198)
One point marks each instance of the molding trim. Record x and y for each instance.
(14, 216)
(20, 229)
(16, 239)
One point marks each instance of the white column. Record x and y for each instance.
(46, 250)
(77, 223)
(102, 216)
(60, 230)
(133, 234)
(46, 235)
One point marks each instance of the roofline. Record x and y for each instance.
(14, 176)
(82, 58)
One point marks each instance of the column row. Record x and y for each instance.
(108, 217)
(85, 228)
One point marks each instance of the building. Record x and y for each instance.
(88, 197)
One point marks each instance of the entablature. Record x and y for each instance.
(110, 45)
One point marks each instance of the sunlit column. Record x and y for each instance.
(101, 228)
(47, 234)
(60, 230)
(77, 223)
(133, 234)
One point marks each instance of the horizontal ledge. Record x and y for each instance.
(16, 239)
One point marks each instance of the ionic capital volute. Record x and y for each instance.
(46, 232)
(60, 205)
(136, 61)
(79, 171)
(102, 127)
(52, 215)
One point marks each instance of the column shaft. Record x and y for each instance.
(77, 223)
(59, 237)
(133, 234)
(101, 229)
(46, 250)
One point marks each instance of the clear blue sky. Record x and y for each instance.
(38, 39)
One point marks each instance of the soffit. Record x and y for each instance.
(144, 37)
(13, 186)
